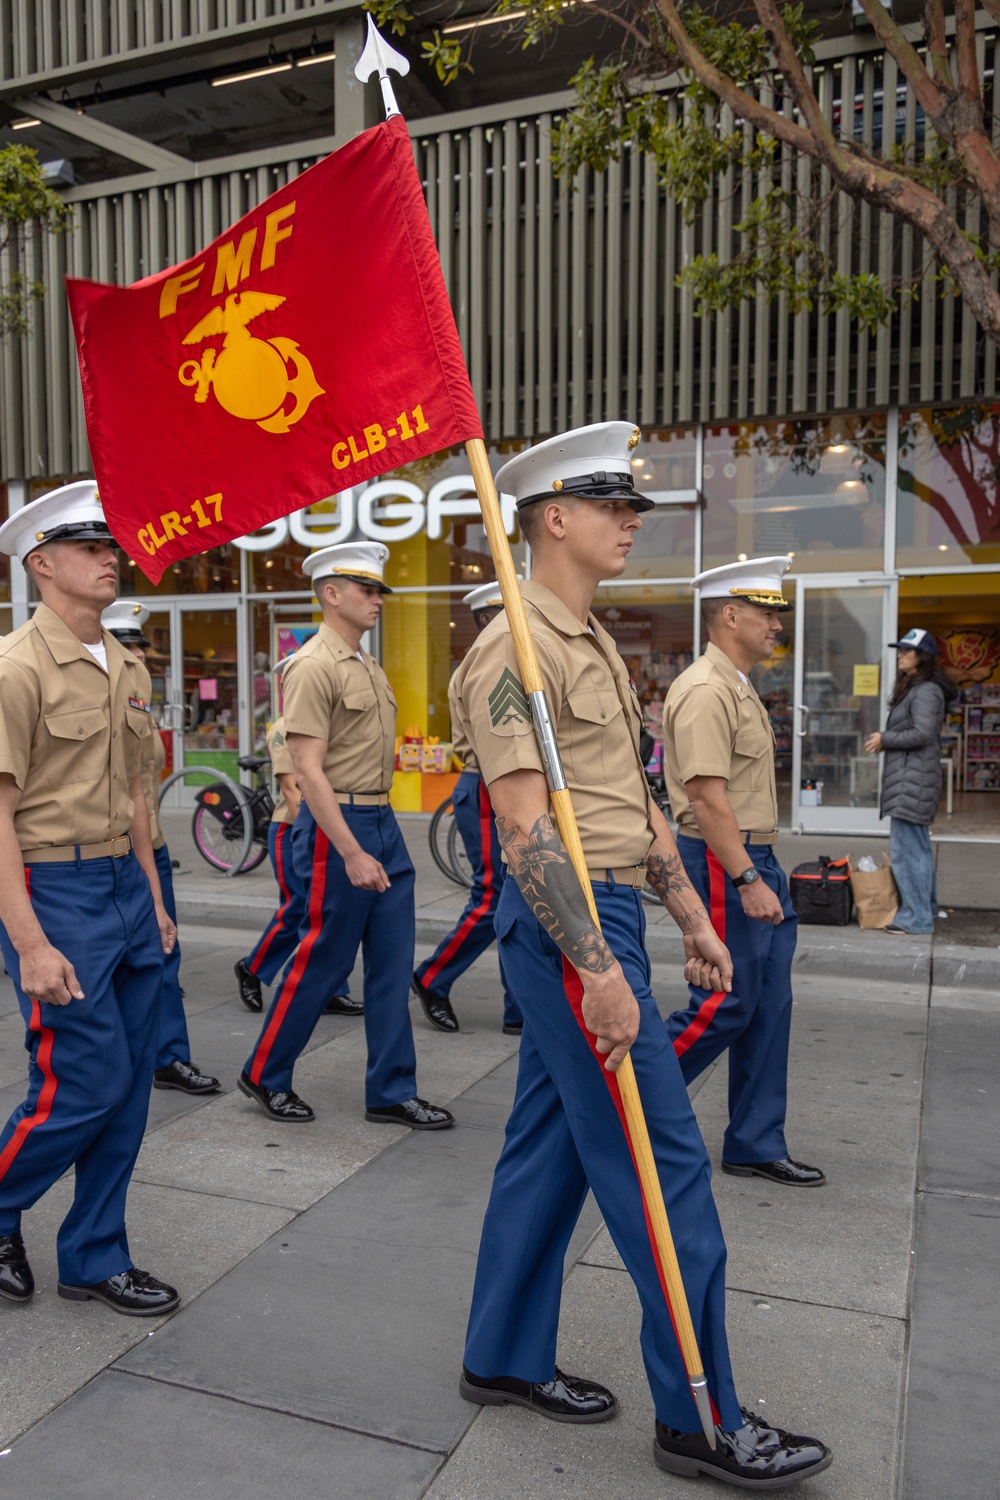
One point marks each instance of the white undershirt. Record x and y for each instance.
(744, 676)
(99, 653)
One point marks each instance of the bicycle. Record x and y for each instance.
(217, 825)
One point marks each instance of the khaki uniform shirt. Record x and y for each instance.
(459, 734)
(281, 765)
(715, 725)
(595, 714)
(70, 733)
(331, 694)
(153, 759)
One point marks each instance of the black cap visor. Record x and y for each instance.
(131, 638)
(365, 579)
(77, 531)
(599, 486)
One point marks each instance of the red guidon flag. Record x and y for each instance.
(310, 347)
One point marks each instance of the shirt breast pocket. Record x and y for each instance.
(79, 747)
(750, 763)
(359, 700)
(600, 747)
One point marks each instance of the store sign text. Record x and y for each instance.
(391, 510)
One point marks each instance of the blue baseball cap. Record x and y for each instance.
(917, 640)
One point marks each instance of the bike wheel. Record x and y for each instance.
(459, 860)
(257, 856)
(441, 822)
(220, 843)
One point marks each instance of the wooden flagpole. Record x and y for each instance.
(379, 58)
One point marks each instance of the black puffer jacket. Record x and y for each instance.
(911, 739)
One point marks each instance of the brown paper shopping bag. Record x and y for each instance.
(875, 894)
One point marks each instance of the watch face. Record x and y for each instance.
(749, 876)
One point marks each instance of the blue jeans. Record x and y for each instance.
(913, 870)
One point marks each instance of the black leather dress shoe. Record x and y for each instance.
(16, 1281)
(343, 1005)
(513, 1028)
(134, 1293)
(185, 1077)
(755, 1457)
(786, 1172)
(436, 1008)
(249, 987)
(416, 1113)
(277, 1104)
(567, 1398)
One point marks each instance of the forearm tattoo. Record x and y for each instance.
(666, 878)
(547, 881)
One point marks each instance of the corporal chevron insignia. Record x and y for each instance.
(509, 708)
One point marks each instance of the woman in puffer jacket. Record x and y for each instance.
(911, 776)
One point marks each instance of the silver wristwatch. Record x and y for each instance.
(747, 878)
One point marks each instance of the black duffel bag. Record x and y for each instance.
(821, 891)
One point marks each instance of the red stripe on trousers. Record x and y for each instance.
(476, 915)
(278, 919)
(43, 1057)
(717, 912)
(574, 994)
(291, 984)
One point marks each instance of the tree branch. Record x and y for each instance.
(937, 41)
(769, 121)
(965, 49)
(928, 92)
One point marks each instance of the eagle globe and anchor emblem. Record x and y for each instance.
(252, 378)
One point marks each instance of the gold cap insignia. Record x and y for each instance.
(633, 441)
(39, 536)
(557, 484)
(137, 609)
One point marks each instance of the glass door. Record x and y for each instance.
(843, 672)
(198, 686)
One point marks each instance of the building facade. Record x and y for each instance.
(873, 459)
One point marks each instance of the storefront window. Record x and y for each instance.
(949, 495)
(813, 488)
(215, 572)
(664, 468)
(653, 628)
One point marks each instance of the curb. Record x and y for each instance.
(862, 955)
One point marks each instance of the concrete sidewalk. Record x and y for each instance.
(969, 876)
(327, 1271)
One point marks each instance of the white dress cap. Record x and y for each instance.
(594, 463)
(125, 619)
(485, 596)
(758, 579)
(72, 513)
(362, 562)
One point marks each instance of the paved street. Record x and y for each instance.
(327, 1269)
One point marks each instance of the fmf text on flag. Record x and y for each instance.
(310, 347)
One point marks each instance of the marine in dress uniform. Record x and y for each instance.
(82, 924)
(340, 721)
(174, 1068)
(474, 932)
(718, 760)
(281, 935)
(585, 997)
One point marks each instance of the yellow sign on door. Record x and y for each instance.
(866, 681)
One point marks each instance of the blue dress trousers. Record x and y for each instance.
(566, 1132)
(91, 1061)
(474, 931)
(754, 1020)
(339, 919)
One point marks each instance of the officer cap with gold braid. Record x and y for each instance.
(125, 619)
(72, 513)
(757, 580)
(592, 463)
(361, 562)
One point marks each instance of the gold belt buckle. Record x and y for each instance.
(121, 846)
